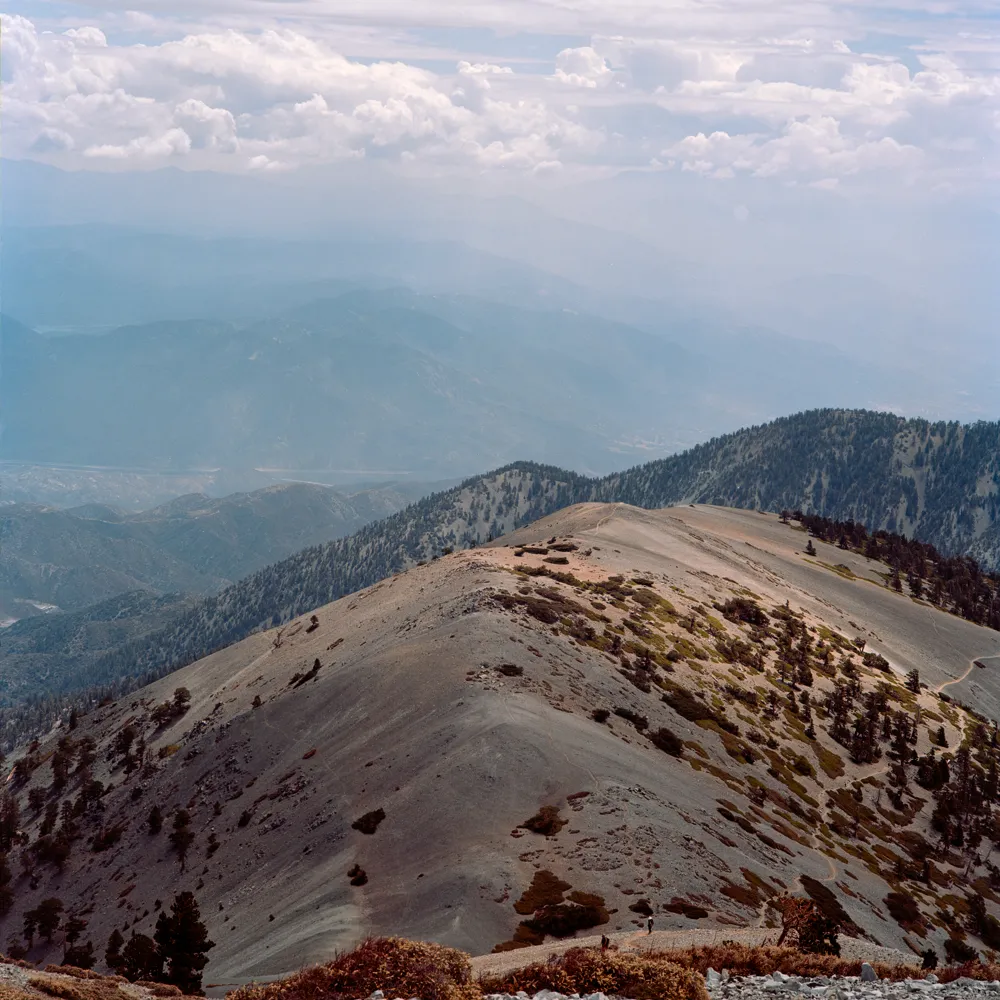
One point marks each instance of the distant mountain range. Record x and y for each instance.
(431, 385)
(194, 544)
(936, 481)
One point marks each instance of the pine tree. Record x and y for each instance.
(183, 941)
(80, 956)
(60, 770)
(155, 820)
(29, 927)
(6, 895)
(141, 959)
(73, 928)
(181, 836)
(10, 820)
(48, 913)
(113, 952)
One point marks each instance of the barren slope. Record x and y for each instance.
(457, 697)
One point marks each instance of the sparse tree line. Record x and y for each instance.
(176, 953)
(880, 721)
(955, 583)
(70, 808)
(64, 818)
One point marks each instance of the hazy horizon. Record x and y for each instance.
(769, 208)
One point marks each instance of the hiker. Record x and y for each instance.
(605, 942)
(649, 924)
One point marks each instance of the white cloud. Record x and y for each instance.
(814, 149)
(766, 89)
(582, 67)
(228, 99)
(207, 127)
(173, 142)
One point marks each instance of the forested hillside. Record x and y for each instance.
(479, 509)
(936, 482)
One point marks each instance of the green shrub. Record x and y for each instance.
(667, 741)
(546, 821)
(368, 823)
(639, 721)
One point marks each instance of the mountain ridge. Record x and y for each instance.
(935, 481)
(649, 708)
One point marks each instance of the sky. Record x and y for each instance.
(894, 94)
(767, 150)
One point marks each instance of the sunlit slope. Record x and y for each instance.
(459, 698)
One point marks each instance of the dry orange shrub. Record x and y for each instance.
(399, 967)
(69, 988)
(160, 989)
(10, 992)
(753, 960)
(639, 976)
(76, 973)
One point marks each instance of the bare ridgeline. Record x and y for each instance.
(696, 714)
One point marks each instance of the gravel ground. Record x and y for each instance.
(847, 988)
(867, 987)
(13, 975)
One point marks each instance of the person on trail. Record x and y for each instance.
(605, 941)
(649, 924)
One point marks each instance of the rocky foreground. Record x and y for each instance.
(867, 986)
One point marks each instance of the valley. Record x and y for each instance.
(192, 544)
(608, 712)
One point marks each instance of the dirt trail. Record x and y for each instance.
(957, 680)
(825, 813)
(625, 940)
(606, 518)
(508, 961)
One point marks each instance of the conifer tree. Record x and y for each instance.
(48, 913)
(141, 959)
(10, 820)
(6, 895)
(73, 928)
(181, 836)
(113, 951)
(183, 942)
(80, 956)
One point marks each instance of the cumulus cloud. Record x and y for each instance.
(769, 90)
(207, 127)
(232, 99)
(814, 149)
(173, 142)
(582, 67)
